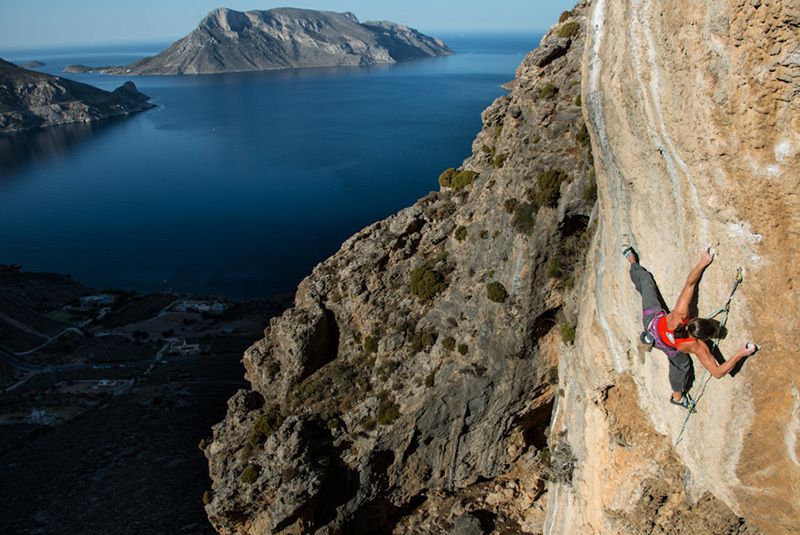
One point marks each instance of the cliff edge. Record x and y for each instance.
(471, 364)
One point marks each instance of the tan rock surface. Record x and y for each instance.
(694, 120)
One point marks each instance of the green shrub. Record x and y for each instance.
(498, 161)
(510, 205)
(368, 424)
(250, 474)
(461, 233)
(266, 424)
(449, 343)
(370, 345)
(430, 379)
(207, 497)
(426, 282)
(428, 338)
(524, 219)
(422, 339)
(568, 334)
(333, 423)
(590, 193)
(463, 348)
(388, 412)
(463, 179)
(569, 29)
(552, 375)
(496, 292)
(537, 139)
(548, 91)
(451, 178)
(446, 178)
(203, 444)
(549, 184)
(486, 149)
(583, 135)
(564, 16)
(578, 100)
(554, 268)
(385, 370)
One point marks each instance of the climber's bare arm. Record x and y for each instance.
(681, 310)
(701, 351)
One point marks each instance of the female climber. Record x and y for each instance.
(675, 333)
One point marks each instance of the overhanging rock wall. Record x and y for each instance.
(696, 134)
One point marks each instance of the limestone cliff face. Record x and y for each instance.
(470, 365)
(410, 388)
(694, 119)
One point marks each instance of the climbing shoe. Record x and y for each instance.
(627, 251)
(685, 402)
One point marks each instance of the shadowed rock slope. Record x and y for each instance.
(412, 386)
(232, 41)
(31, 99)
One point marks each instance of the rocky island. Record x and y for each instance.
(31, 99)
(283, 38)
(471, 364)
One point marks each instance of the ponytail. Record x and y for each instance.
(681, 331)
(701, 328)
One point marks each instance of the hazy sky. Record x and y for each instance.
(45, 23)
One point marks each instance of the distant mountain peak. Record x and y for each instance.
(230, 41)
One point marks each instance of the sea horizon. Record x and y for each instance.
(237, 184)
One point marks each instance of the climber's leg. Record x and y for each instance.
(646, 286)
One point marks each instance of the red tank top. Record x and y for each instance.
(667, 336)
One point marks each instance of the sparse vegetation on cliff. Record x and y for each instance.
(370, 345)
(266, 424)
(549, 184)
(426, 283)
(452, 178)
(568, 333)
(449, 343)
(249, 474)
(569, 29)
(496, 292)
(547, 91)
(388, 411)
(524, 219)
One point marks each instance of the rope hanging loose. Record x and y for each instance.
(701, 385)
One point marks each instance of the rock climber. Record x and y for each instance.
(675, 333)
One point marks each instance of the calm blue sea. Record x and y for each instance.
(236, 185)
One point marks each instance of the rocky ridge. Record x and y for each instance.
(412, 387)
(31, 99)
(233, 41)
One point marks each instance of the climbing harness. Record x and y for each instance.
(701, 385)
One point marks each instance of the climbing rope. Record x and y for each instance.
(701, 385)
